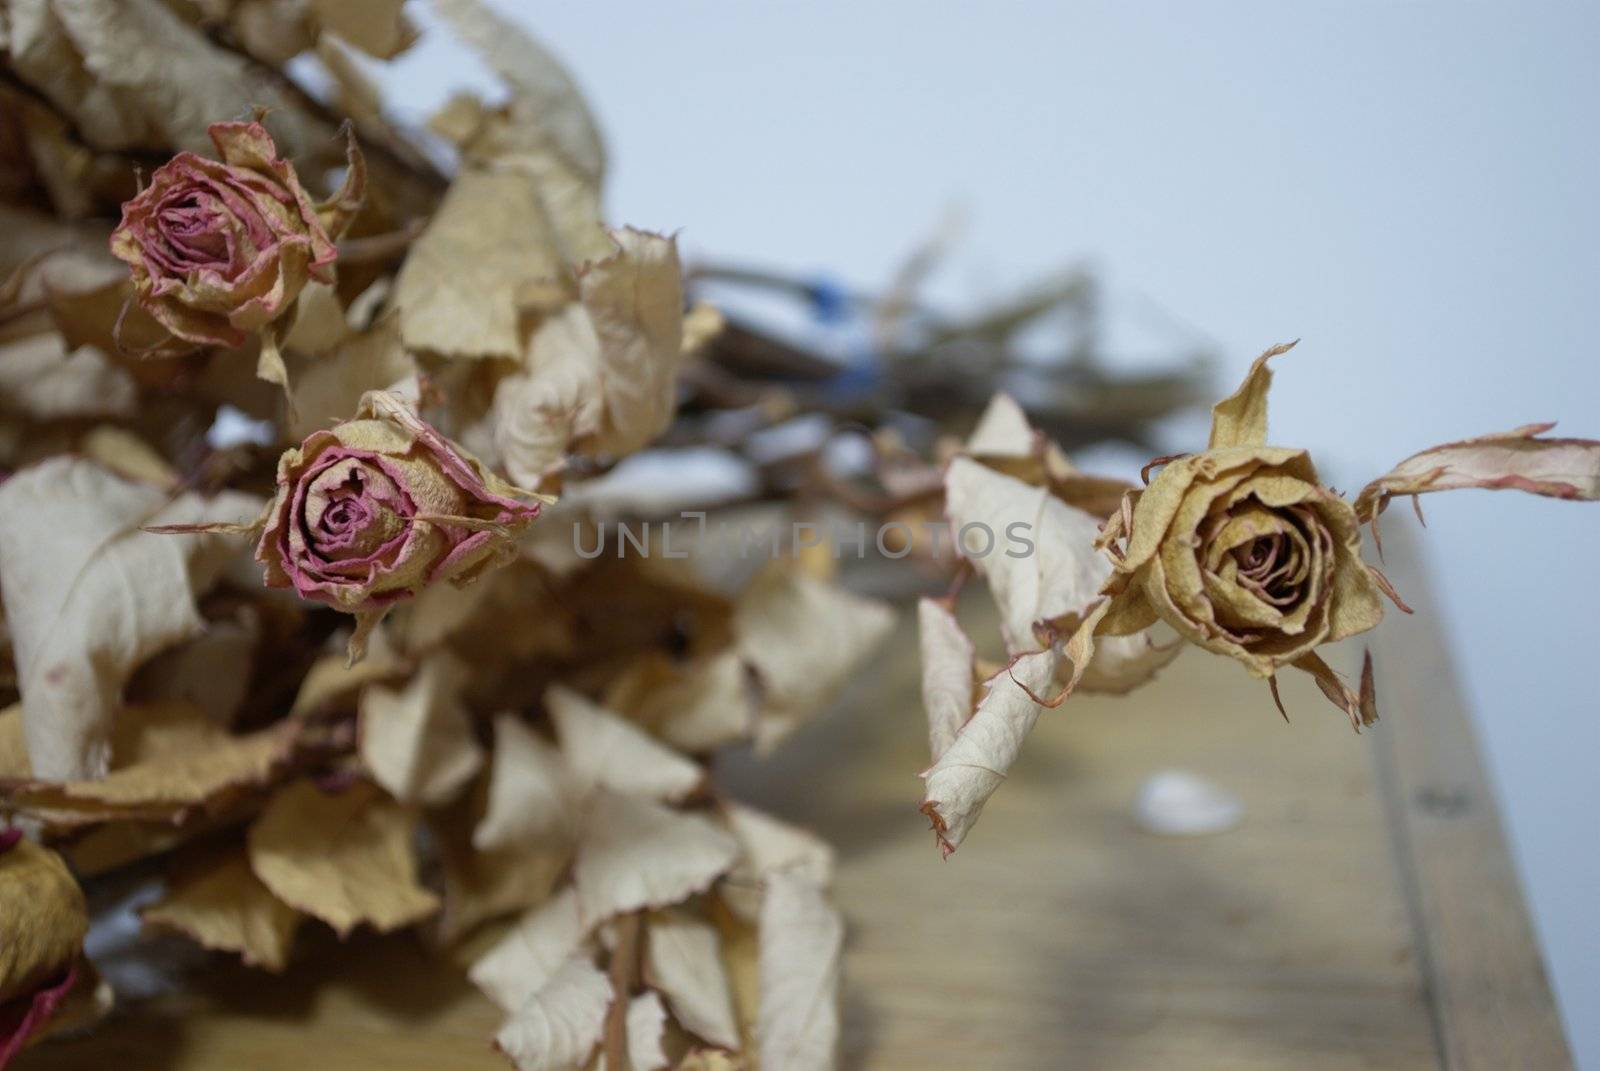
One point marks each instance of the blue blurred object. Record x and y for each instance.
(830, 303)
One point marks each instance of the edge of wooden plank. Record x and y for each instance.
(1489, 993)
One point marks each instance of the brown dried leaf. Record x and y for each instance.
(344, 857)
(88, 596)
(635, 853)
(802, 942)
(1516, 460)
(417, 742)
(377, 27)
(683, 960)
(969, 771)
(219, 902)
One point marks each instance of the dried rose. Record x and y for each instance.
(372, 511)
(1243, 551)
(221, 248)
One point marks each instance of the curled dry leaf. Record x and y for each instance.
(530, 792)
(695, 707)
(417, 741)
(558, 1026)
(88, 596)
(218, 901)
(166, 759)
(969, 771)
(683, 960)
(484, 885)
(949, 663)
(802, 941)
(43, 919)
(804, 639)
(344, 857)
(634, 853)
(1518, 460)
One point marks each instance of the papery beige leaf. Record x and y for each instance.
(634, 853)
(219, 902)
(1516, 460)
(345, 857)
(557, 1028)
(1003, 431)
(710, 1060)
(457, 292)
(696, 707)
(555, 402)
(523, 961)
(546, 96)
(769, 846)
(166, 758)
(963, 778)
(802, 943)
(332, 679)
(948, 664)
(604, 750)
(40, 378)
(127, 455)
(319, 325)
(634, 299)
(1241, 418)
(377, 27)
(531, 796)
(133, 74)
(647, 1024)
(1057, 579)
(43, 919)
(417, 742)
(327, 389)
(212, 671)
(804, 639)
(683, 960)
(88, 596)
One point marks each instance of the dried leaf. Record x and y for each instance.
(332, 679)
(804, 639)
(963, 778)
(647, 1023)
(768, 846)
(683, 960)
(949, 663)
(557, 1027)
(802, 942)
(484, 885)
(40, 378)
(696, 707)
(417, 742)
(219, 902)
(327, 390)
(377, 27)
(166, 758)
(1003, 431)
(88, 596)
(523, 961)
(457, 292)
(634, 853)
(42, 916)
(603, 750)
(1517, 460)
(531, 797)
(344, 857)
(554, 403)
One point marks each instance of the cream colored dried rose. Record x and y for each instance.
(372, 511)
(221, 248)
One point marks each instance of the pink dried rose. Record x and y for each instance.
(221, 248)
(373, 510)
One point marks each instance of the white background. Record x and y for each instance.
(1413, 190)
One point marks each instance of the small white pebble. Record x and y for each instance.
(1177, 803)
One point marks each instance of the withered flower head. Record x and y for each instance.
(220, 248)
(377, 508)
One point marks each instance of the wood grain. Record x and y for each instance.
(1059, 936)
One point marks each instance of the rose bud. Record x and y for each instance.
(221, 248)
(377, 508)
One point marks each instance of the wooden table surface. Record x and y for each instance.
(1365, 915)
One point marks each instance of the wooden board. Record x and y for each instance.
(1365, 915)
